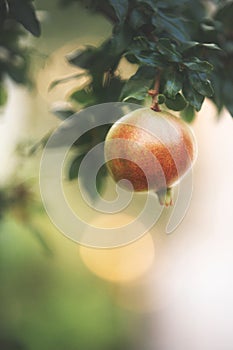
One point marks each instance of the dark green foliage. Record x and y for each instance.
(85, 177)
(137, 86)
(200, 83)
(180, 41)
(3, 95)
(171, 25)
(64, 80)
(14, 56)
(188, 114)
(98, 189)
(173, 82)
(83, 145)
(194, 98)
(63, 113)
(195, 64)
(120, 8)
(84, 58)
(74, 167)
(178, 103)
(17, 201)
(168, 50)
(23, 12)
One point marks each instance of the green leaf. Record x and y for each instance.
(147, 58)
(171, 3)
(120, 7)
(137, 19)
(188, 114)
(201, 84)
(188, 45)
(101, 179)
(224, 14)
(83, 58)
(229, 107)
(24, 12)
(176, 104)
(92, 185)
(161, 99)
(150, 3)
(174, 26)
(138, 85)
(3, 12)
(63, 113)
(106, 57)
(74, 167)
(119, 42)
(196, 64)
(218, 91)
(84, 97)
(64, 80)
(18, 72)
(111, 90)
(3, 95)
(192, 96)
(210, 46)
(173, 83)
(227, 94)
(193, 44)
(166, 48)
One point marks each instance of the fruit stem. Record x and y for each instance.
(165, 197)
(154, 93)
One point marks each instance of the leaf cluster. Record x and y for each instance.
(16, 18)
(18, 201)
(178, 40)
(81, 147)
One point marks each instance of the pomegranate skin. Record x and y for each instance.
(152, 150)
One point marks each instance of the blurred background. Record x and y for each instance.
(162, 292)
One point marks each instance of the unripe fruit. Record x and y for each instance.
(152, 150)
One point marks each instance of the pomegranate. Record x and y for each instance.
(152, 150)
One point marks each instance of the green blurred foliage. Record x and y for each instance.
(48, 298)
(53, 302)
(17, 17)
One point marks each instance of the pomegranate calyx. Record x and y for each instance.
(165, 197)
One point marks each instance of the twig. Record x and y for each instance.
(154, 94)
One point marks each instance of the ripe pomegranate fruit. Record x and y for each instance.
(152, 150)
